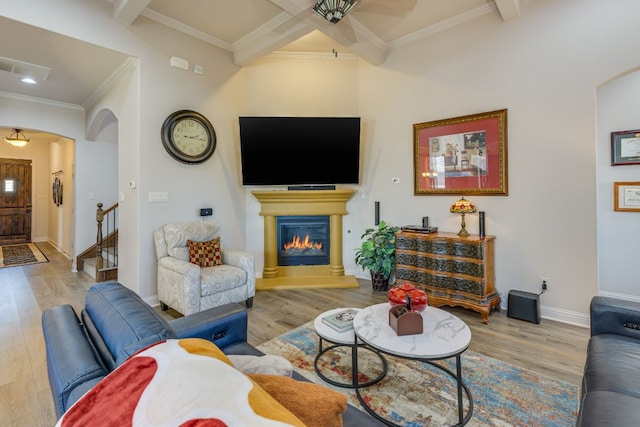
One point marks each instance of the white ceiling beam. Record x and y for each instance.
(279, 32)
(509, 9)
(128, 10)
(299, 20)
(294, 7)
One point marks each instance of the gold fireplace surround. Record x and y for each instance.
(303, 202)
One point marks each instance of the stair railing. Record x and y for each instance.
(107, 245)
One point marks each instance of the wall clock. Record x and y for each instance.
(188, 137)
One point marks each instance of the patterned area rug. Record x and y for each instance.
(21, 254)
(416, 394)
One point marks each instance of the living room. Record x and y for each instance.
(557, 221)
(563, 69)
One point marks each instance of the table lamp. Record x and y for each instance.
(463, 206)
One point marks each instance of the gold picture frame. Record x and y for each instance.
(462, 155)
(626, 196)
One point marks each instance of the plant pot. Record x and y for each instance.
(379, 282)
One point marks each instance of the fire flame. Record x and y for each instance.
(298, 243)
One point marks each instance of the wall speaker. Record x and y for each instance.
(377, 213)
(524, 306)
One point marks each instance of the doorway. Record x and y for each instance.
(15, 201)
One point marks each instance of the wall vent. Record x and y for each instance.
(24, 69)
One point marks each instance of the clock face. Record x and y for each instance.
(188, 137)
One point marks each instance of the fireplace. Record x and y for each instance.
(303, 240)
(304, 203)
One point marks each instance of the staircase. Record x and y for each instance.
(100, 261)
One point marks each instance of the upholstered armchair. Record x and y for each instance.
(188, 288)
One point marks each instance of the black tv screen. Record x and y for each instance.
(300, 150)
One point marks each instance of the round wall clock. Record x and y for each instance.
(188, 137)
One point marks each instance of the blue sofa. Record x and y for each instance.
(115, 323)
(610, 393)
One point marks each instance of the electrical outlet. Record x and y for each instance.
(544, 283)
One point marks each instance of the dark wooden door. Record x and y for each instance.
(15, 201)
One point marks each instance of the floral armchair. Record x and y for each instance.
(189, 288)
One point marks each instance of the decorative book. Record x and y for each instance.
(341, 321)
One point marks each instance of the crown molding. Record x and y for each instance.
(186, 29)
(116, 77)
(43, 101)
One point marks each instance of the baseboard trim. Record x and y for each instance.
(625, 297)
(153, 300)
(564, 316)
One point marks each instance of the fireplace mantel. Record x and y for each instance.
(303, 202)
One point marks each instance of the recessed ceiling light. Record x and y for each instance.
(28, 80)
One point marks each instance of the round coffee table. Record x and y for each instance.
(444, 336)
(341, 339)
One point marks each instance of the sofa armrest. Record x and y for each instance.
(615, 316)
(223, 325)
(71, 361)
(179, 284)
(245, 261)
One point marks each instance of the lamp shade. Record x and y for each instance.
(17, 138)
(333, 10)
(462, 206)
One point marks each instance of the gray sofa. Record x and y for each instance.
(611, 383)
(115, 323)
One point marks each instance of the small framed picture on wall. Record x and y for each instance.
(625, 148)
(626, 196)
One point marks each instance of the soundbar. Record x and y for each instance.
(311, 187)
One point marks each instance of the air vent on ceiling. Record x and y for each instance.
(37, 72)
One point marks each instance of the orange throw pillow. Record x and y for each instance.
(205, 254)
(313, 404)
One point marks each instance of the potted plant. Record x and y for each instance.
(378, 254)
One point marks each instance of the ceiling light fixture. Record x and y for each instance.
(28, 80)
(333, 10)
(16, 139)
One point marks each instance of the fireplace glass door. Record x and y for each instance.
(303, 240)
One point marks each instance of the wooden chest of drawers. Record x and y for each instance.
(453, 270)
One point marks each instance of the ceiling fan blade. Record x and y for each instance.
(386, 7)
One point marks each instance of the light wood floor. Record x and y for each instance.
(553, 349)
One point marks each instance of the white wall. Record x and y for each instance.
(618, 243)
(61, 227)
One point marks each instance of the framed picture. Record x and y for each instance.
(625, 148)
(470, 156)
(626, 196)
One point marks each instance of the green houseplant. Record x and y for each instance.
(377, 253)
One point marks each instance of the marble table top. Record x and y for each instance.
(328, 333)
(444, 335)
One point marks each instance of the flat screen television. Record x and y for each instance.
(300, 151)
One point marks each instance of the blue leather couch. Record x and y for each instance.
(611, 383)
(115, 323)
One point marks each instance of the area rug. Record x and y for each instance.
(416, 394)
(21, 254)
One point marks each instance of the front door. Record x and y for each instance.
(15, 201)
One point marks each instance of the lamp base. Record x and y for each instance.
(463, 233)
